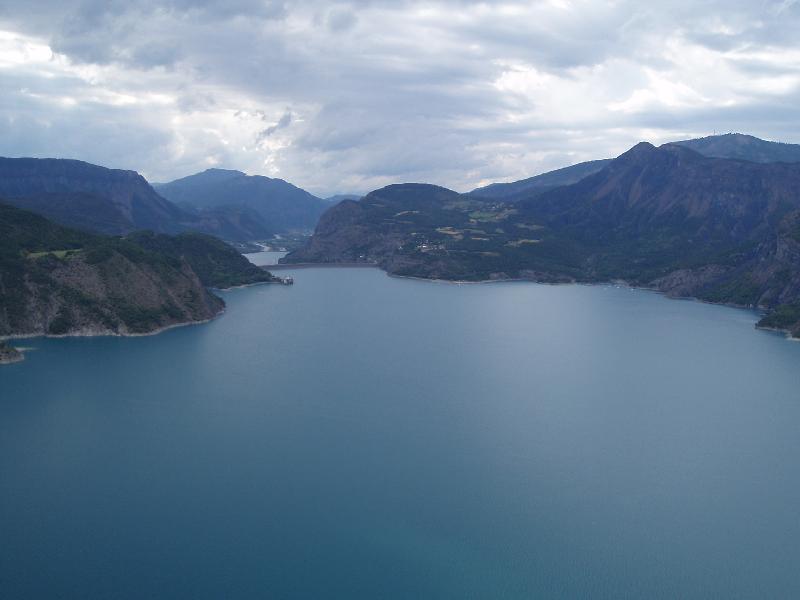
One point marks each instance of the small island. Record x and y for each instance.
(9, 354)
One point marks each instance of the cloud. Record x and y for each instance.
(341, 19)
(353, 95)
(282, 123)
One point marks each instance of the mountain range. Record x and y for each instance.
(714, 218)
(114, 201)
(538, 184)
(281, 205)
(729, 145)
(743, 147)
(669, 218)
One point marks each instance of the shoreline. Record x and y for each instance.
(92, 332)
(615, 282)
(612, 282)
(244, 285)
(784, 332)
(347, 265)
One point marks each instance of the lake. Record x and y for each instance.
(361, 436)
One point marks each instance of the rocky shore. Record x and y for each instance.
(9, 354)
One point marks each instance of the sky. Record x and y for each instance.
(346, 97)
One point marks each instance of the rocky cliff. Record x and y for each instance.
(59, 281)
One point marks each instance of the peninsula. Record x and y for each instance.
(723, 230)
(60, 281)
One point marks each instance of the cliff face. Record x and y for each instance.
(116, 295)
(649, 191)
(72, 191)
(59, 281)
(346, 235)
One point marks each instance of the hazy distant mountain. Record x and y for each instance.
(339, 197)
(718, 229)
(113, 201)
(540, 183)
(228, 222)
(743, 147)
(282, 205)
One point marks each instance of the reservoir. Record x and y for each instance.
(361, 436)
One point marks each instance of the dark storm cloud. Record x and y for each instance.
(352, 95)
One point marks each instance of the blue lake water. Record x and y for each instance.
(359, 436)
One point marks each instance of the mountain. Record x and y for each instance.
(743, 147)
(667, 218)
(86, 196)
(61, 281)
(283, 206)
(417, 230)
(653, 210)
(339, 197)
(377, 226)
(230, 222)
(540, 183)
(112, 201)
(216, 264)
(731, 145)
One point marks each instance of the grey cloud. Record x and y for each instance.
(341, 19)
(283, 123)
(384, 90)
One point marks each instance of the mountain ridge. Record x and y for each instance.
(112, 201)
(731, 145)
(744, 147)
(540, 183)
(130, 198)
(282, 205)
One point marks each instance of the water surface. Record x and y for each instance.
(358, 436)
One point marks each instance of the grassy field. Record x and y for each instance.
(56, 253)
